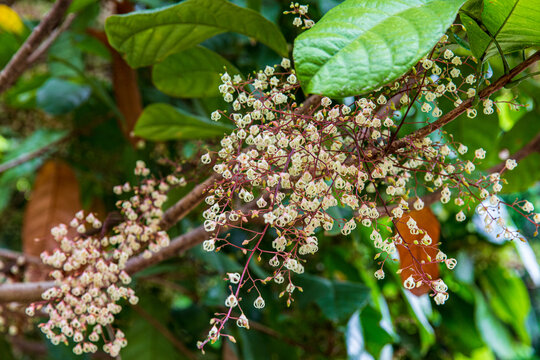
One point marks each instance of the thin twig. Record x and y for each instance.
(19, 62)
(42, 49)
(31, 155)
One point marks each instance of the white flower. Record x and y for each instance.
(528, 206)
(234, 277)
(450, 263)
(448, 54)
(205, 159)
(480, 153)
(231, 301)
(379, 274)
(470, 79)
(291, 79)
(511, 164)
(325, 101)
(409, 283)
(259, 303)
(215, 115)
(440, 298)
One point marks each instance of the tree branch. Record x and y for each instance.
(20, 61)
(187, 203)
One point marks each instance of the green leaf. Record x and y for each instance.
(337, 299)
(65, 48)
(498, 283)
(10, 45)
(360, 45)
(417, 308)
(495, 335)
(23, 94)
(58, 96)
(160, 122)
(375, 336)
(148, 37)
(192, 73)
(513, 23)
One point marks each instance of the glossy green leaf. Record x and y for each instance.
(513, 23)
(160, 122)
(58, 97)
(192, 73)
(148, 37)
(360, 45)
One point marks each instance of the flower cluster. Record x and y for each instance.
(302, 19)
(90, 269)
(290, 164)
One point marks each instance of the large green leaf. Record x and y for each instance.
(147, 37)
(513, 23)
(363, 44)
(192, 73)
(160, 122)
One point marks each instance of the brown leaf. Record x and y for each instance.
(124, 79)
(412, 255)
(55, 199)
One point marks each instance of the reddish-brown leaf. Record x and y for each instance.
(412, 255)
(124, 79)
(55, 199)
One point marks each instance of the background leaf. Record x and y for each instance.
(147, 37)
(337, 299)
(360, 45)
(58, 97)
(192, 73)
(55, 199)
